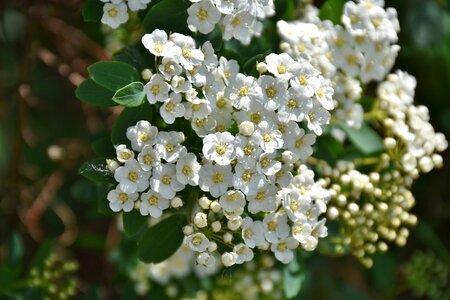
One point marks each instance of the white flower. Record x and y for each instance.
(197, 108)
(247, 179)
(317, 117)
(276, 227)
(123, 153)
(252, 232)
(131, 177)
(179, 84)
(247, 150)
(244, 253)
(187, 169)
(169, 67)
(164, 181)
(206, 264)
(141, 135)
(203, 16)
(120, 200)
(190, 56)
(114, 14)
(242, 90)
(281, 65)
(227, 68)
(267, 164)
(135, 5)
(157, 89)
(229, 259)
(283, 249)
(201, 220)
(302, 232)
(270, 137)
(197, 242)
(153, 203)
(274, 91)
(296, 205)
(300, 143)
(210, 59)
(232, 200)
(148, 158)
(158, 44)
(295, 106)
(215, 179)
(219, 147)
(238, 25)
(262, 199)
(172, 108)
(169, 145)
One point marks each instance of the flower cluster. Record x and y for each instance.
(115, 12)
(238, 19)
(256, 191)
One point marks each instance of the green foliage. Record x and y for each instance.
(170, 15)
(92, 10)
(332, 10)
(162, 240)
(365, 139)
(94, 94)
(129, 117)
(96, 170)
(131, 95)
(133, 222)
(294, 276)
(113, 75)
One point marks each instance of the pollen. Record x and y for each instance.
(153, 200)
(197, 240)
(267, 137)
(299, 143)
(243, 91)
(158, 48)
(123, 197)
(155, 89)
(143, 137)
(272, 225)
(220, 149)
(166, 179)
(133, 176)
(186, 170)
(271, 92)
(292, 104)
(265, 162)
(281, 69)
(202, 14)
(186, 52)
(255, 118)
(113, 12)
(169, 106)
(282, 247)
(260, 196)
(125, 155)
(170, 148)
(148, 159)
(248, 233)
(246, 176)
(217, 178)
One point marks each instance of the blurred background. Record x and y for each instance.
(49, 215)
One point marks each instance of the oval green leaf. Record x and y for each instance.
(365, 139)
(96, 170)
(162, 240)
(90, 92)
(92, 10)
(133, 222)
(168, 14)
(113, 75)
(131, 95)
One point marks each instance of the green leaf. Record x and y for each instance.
(103, 147)
(42, 253)
(16, 250)
(113, 75)
(293, 278)
(332, 10)
(250, 65)
(92, 10)
(168, 14)
(131, 95)
(133, 222)
(427, 235)
(132, 56)
(96, 170)
(94, 94)
(129, 117)
(215, 37)
(160, 241)
(102, 202)
(365, 139)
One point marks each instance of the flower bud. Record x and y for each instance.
(188, 230)
(246, 128)
(176, 202)
(215, 207)
(200, 220)
(216, 226)
(204, 202)
(227, 237)
(261, 67)
(146, 74)
(229, 259)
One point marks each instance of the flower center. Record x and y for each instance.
(202, 14)
(217, 178)
(271, 92)
(155, 89)
(246, 176)
(153, 200)
(123, 197)
(282, 247)
(186, 170)
(272, 225)
(281, 69)
(255, 118)
(113, 12)
(248, 150)
(260, 196)
(148, 159)
(133, 176)
(292, 104)
(299, 143)
(143, 136)
(221, 102)
(197, 240)
(186, 52)
(220, 149)
(267, 137)
(166, 179)
(125, 155)
(248, 233)
(169, 106)
(158, 48)
(170, 148)
(243, 91)
(265, 162)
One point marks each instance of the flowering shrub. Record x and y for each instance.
(220, 159)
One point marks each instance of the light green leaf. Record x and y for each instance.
(160, 241)
(365, 139)
(96, 170)
(131, 95)
(332, 10)
(133, 222)
(94, 94)
(113, 75)
(168, 14)
(293, 278)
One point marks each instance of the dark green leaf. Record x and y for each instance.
(113, 75)
(42, 253)
(96, 170)
(103, 147)
(365, 139)
(129, 117)
(16, 250)
(168, 14)
(102, 202)
(250, 65)
(332, 10)
(215, 37)
(160, 241)
(131, 95)
(133, 222)
(426, 234)
(133, 57)
(92, 10)
(94, 94)
(328, 148)
(293, 277)
(12, 26)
